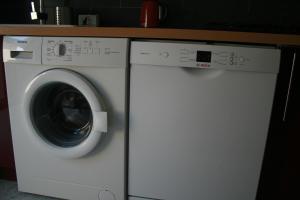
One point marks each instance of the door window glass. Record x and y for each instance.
(61, 114)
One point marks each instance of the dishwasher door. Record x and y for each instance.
(197, 134)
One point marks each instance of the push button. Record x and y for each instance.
(165, 54)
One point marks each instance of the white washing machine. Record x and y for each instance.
(199, 118)
(68, 113)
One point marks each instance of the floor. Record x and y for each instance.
(9, 191)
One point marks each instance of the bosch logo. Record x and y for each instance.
(203, 65)
(22, 42)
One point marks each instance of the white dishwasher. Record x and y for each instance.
(199, 118)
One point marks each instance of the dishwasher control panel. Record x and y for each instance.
(199, 55)
(84, 51)
(207, 58)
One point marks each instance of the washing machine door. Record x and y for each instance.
(64, 112)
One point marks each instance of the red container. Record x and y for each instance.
(149, 13)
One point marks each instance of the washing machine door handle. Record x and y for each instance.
(100, 121)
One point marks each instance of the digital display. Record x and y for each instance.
(203, 56)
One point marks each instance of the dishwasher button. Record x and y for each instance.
(242, 59)
(165, 54)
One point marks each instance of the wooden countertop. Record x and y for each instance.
(154, 33)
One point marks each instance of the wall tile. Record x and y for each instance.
(93, 4)
(14, 12)
(181, 13)
(126, 17)
(54, 3)
(131, 3)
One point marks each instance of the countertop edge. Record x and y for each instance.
(154, 33)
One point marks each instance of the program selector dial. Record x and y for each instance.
(60, 49)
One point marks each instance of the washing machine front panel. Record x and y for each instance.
(45, 171)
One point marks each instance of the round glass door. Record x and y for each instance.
(63, 113)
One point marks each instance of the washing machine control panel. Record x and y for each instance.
(22, 49)
(62, 49)
(84, 51)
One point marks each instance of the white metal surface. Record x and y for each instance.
(137, 198)
(198, 133)
(30, 45)
(101, 173)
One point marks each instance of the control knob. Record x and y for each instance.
(60, 49)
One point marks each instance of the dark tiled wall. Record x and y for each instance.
(181, 13)
(13, 12)
(198, 13)
(111, 12)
